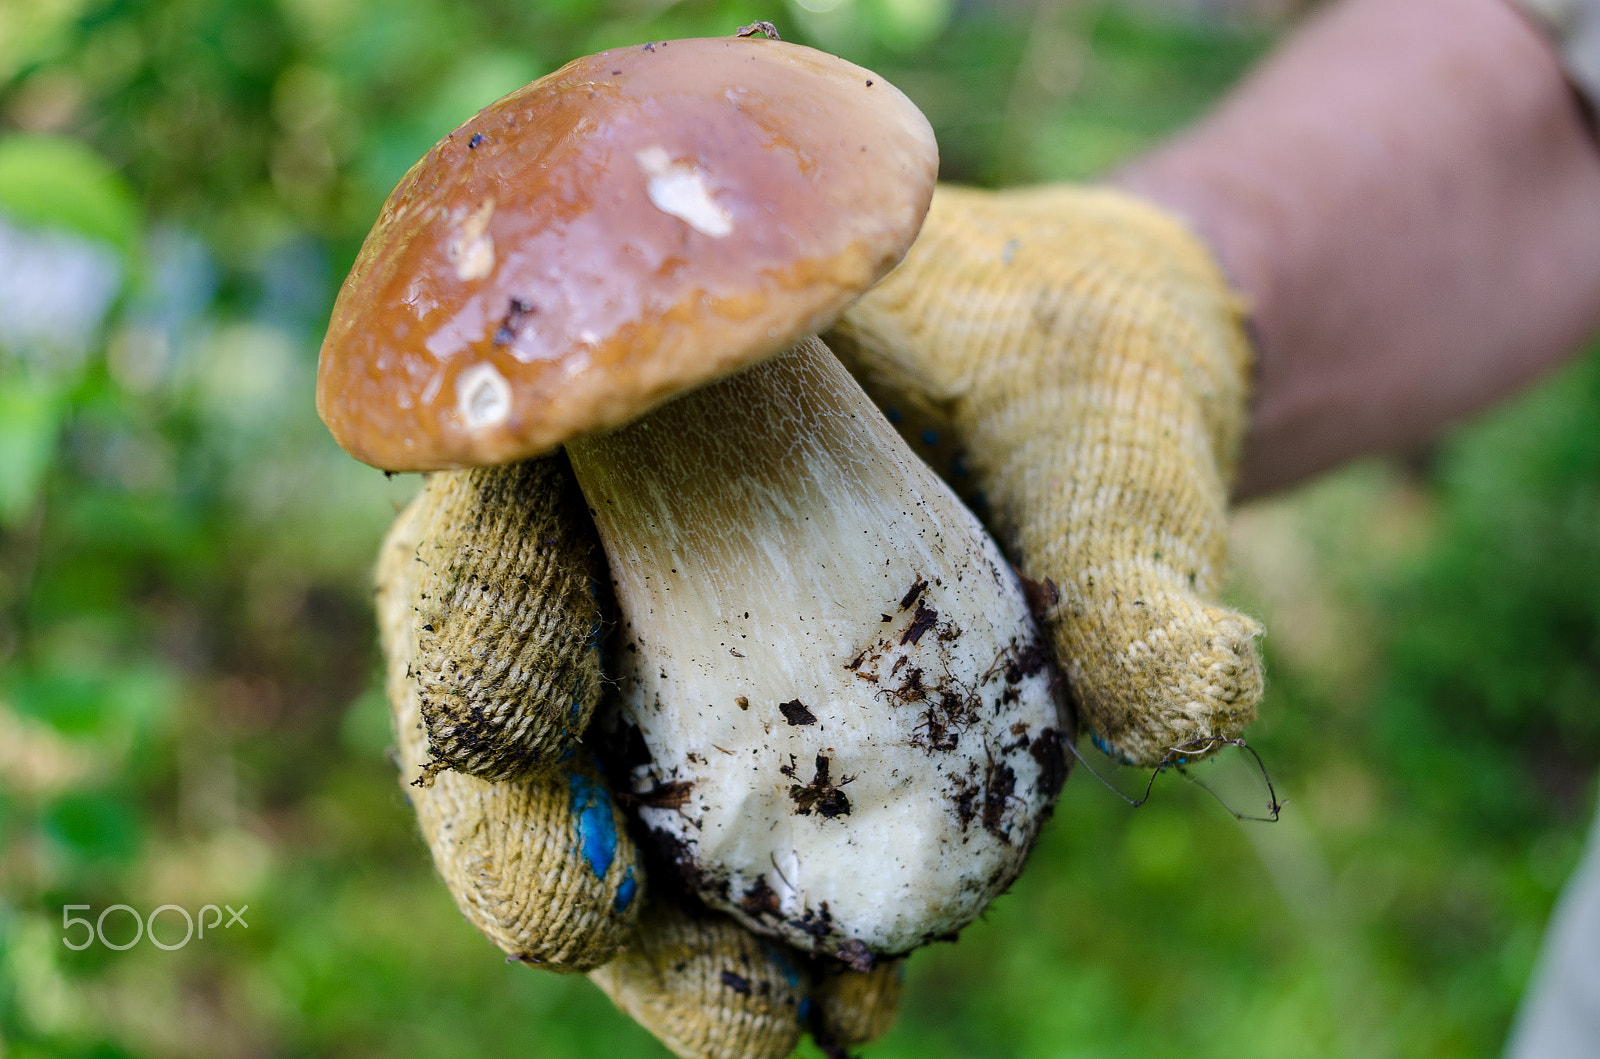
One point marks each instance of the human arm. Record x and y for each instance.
(1408, 198)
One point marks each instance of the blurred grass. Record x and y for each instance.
(187, 703)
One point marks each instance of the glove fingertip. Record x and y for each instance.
(855, 1007)
(1181, 681)
(506, 618)
(543, 866)
(707, 988)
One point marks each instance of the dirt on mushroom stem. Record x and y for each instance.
(818, 767)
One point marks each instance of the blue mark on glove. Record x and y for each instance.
(1105, 748)
(626, 892)
(930, 437)
(894, 415)
(805, 1008)
(780, 960)
(597, 833)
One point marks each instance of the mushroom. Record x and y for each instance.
(835, 710)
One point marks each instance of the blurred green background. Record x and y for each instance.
(188, 712)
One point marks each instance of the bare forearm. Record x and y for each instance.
(1410, 201)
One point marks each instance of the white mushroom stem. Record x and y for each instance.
(853, 733)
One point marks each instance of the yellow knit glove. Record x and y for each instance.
(1074, 362)
(487, 616)
(709, 989)
(1072, 359)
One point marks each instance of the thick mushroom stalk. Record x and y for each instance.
(852, 738)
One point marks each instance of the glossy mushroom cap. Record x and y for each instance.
(634, 225)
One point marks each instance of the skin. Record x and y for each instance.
(1408, 198)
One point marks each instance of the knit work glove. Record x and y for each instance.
(1074, 362)
(489, 621)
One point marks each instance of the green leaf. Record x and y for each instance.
(84, 698)
(57, 182)
(30, 29)
(72, 704)
(93, 825)
(31, 414)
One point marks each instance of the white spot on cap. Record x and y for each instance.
(680, 189)
(483, 396)
(471, 248)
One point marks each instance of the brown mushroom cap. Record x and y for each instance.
(636, 224)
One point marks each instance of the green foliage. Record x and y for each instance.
(51, 181)
(189, 711)
(31, 411)
(1495, 673)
